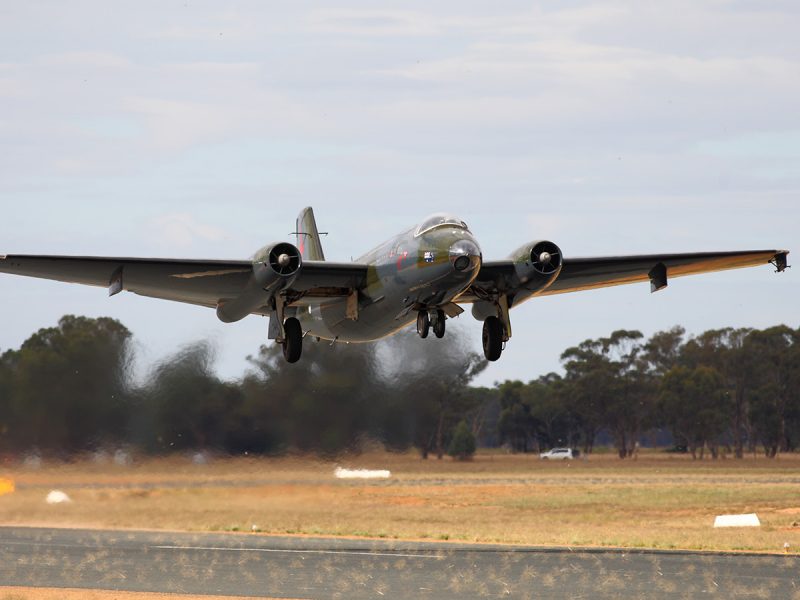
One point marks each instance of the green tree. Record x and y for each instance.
(323, 404)
(185, 405)
(724, 350)
(7, 417)
(776, 392)
(516, 425)
(631, 407)
(69, 385)
(484, 414)
(694, 404)
(590, 383)
(462, 444)
(433, 383)
(664, 350)
(554, 424)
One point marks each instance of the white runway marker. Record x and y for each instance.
(750, 520)
(295, 551)
(57, 497)
(341, 473)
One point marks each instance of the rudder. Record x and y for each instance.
(308, 241)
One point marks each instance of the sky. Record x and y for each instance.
(200, 129)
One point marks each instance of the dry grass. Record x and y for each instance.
(659, 501)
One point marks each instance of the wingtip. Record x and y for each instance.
(780, 260)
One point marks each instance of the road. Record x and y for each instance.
(297, 567)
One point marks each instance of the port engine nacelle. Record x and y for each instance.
(275, 267)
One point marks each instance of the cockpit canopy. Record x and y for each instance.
(439, 220)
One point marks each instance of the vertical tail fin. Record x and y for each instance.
(308, 241)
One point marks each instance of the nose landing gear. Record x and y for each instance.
(423, 324)
(438, 322)
(435, 319)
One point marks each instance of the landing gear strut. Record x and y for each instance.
(492, 338)
(292, 340)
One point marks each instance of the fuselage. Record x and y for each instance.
(427, 266)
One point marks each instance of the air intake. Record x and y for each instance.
(284, 259)
(546, 258)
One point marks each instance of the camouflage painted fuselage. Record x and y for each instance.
(407, 273)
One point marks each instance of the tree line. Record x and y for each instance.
(70, 389)
(726, 389)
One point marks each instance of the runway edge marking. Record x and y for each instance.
(295, 551)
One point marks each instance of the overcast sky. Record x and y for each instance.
(200, 129)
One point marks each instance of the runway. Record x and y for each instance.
(296, 567)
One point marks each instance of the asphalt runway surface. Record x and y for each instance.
(297, 567)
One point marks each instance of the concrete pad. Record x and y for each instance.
(341, 473)
(749, 520)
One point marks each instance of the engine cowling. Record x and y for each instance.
(277, 264)
(537, 264)
(275, 267)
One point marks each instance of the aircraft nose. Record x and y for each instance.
(465, 255)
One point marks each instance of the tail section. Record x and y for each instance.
(308, 241)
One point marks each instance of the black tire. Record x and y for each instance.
(492, 338)
(439, 324)
(292, 340)
(423, 324)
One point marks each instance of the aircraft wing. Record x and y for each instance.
(579, 274)
(201, 282)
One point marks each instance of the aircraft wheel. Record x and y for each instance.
(492, 338)
(292, 340)
(439, 324)
(423, 324)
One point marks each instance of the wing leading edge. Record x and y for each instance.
(578, 274)
(200, 282)
(590, 273)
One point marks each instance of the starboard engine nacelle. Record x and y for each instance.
(537, 264)
(275, 267)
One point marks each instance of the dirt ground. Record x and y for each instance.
(658, 501)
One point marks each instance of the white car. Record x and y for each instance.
(557, 454)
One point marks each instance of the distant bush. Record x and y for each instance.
(462, 446)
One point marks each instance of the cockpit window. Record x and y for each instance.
(440, 220)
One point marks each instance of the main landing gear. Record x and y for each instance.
(493, 334)
(435, 320)
(292, 340)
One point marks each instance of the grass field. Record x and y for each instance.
(658, 501)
